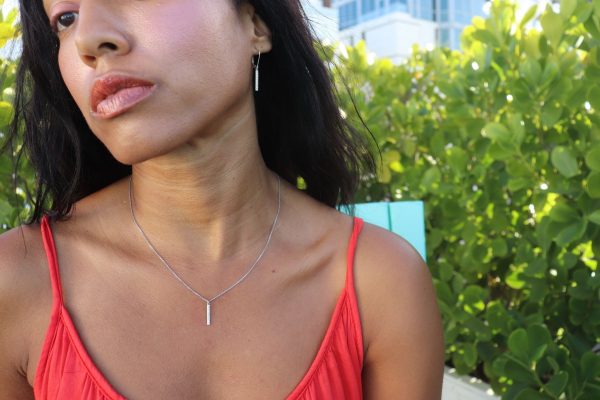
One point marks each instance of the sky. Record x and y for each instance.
(9, 4)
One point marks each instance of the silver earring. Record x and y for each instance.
(255, 66)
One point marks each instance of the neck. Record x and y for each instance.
(212, 200)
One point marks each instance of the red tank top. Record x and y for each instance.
(66, 371)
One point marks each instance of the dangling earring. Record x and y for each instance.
(256, 71)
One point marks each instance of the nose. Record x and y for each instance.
(99, 33)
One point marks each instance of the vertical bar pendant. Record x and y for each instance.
(207, 313)
(256, 79)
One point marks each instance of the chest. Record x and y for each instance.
(262, 341)
(263, 354)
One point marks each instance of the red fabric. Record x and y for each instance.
(66, 372)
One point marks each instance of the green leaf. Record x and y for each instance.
(564, 161)
(301, 183)
(593, 185)
(485, 36)
(7, 32)
(432, 178)
(551, 113)
(536, 267)
(539, 339)
(446, 272)
(532, 44)
(497, 317)
(498, 152)
(388, 158)
(516, 167)
(592, 27)
(592, 158)
(560, 90)
(513, 280)
(594, 217)
(517, 127)
(590, 365)
(518, 344)
(567, 7)
(553, 364)
(561, 212)
(558, 383)
(473, 298)
(571, 233)
(497, 132)
(528, 15)
(458, 159)
(470, 354)
(444, 293)
(583, 11)
(539, 289)
(531, 71)
(452, 89)
(594, 97)
(499, 247)
(552, 24)
(551, 71)
(518, 373)
(6, 113)
(515, 184)
(530, 394)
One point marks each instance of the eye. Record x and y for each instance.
(64, 20)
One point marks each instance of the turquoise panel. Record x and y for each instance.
(374, 213)
(404, 218)
(408, 220)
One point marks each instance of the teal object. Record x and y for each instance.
(404, 218)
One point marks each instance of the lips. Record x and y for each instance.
(112, 95)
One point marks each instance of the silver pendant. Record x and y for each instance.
(207, 314)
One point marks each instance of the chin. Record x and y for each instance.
(135, 154)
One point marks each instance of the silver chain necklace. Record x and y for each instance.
(184, 283)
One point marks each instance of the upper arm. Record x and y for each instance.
(15, 282)
(402, 327)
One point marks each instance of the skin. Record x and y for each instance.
(203, 192)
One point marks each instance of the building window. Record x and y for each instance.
(462, 11)
(399, 5)
(368, 6)
(444, 11)
(424, 9)
(456, 38)
(444, 37)
(348, 15)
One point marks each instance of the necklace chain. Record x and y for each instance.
(181, 280)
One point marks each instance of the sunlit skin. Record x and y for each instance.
(206, 199)
(194, 139)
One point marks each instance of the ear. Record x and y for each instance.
(260, 34)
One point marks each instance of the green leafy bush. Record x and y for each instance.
(502, 142)
(12, 198)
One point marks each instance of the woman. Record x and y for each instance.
(170, 255)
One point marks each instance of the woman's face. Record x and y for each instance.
(152, 75)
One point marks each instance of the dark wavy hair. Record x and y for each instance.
(300, 130)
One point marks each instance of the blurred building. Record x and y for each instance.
(391, 27)
(323, 18)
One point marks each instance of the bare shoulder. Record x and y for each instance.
(21, 266)
(402, 329)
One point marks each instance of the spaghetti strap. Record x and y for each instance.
(350, 287)
(66, 370)
(52, 262)
(357, 227)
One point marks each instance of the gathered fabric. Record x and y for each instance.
(66, 371)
